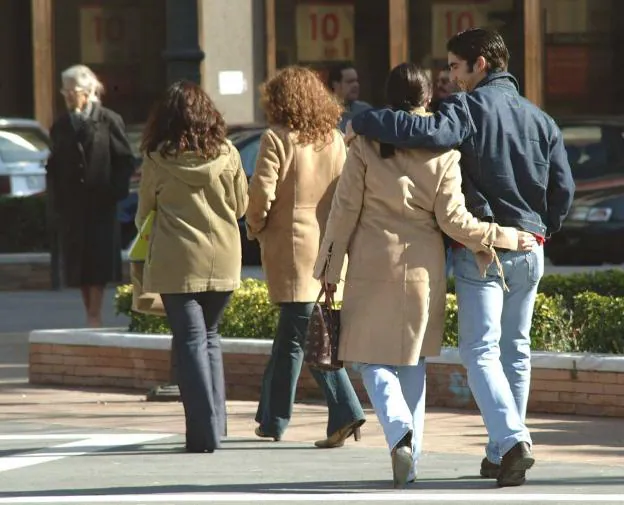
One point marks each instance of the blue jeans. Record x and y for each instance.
(194, 319)
(279, 382)
(494, 340)
(397, 394)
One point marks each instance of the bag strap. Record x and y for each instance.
(329, 296)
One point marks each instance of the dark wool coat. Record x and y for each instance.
(88, 173)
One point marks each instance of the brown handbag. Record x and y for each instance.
(322, 336)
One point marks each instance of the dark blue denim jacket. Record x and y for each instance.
(514, 165)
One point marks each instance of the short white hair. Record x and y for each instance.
(84, 79)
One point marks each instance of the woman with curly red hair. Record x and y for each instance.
(193, 178)
(300, 159)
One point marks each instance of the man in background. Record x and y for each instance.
(344, 83)
(443, 88)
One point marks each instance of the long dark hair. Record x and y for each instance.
(185, 120)
(408, 86)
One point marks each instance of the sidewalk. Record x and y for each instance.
(569, 439)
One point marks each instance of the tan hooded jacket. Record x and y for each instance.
(195, 244)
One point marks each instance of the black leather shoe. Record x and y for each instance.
(489, 470)
(514, 465)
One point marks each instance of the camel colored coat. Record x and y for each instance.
(387, 215)
(290, 196)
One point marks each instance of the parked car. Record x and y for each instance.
(593, 233)
(246, 138)
(24, 150)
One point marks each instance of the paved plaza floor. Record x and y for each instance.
(69, 446)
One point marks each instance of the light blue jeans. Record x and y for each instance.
(494, 340)
(397, 394)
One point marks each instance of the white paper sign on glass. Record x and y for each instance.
(232, 82)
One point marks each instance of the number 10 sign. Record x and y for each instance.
(324, 31)
(449, 19)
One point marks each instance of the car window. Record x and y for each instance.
(22, 143)
(594, 151)
(249, 154)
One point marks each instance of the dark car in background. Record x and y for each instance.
(246, 138)
(593, 232)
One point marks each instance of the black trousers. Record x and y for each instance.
(194, 319)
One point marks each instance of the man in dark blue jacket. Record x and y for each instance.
(515, 173)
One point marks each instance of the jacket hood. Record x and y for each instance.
(191, 168)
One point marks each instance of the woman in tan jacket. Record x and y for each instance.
(300, 158)
(388, 215)
(193, 178)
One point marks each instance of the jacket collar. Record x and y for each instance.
(498, 76)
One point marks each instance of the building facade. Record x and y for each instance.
(565, 53)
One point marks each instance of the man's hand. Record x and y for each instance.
(526, 241)
(349, 134)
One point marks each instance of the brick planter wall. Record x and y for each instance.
(561, 383)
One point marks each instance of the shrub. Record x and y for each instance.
(250, 314)
(593, 323)
(600, 320)
(450, 323)
(551, 329)
(605, 283)
(24, 226)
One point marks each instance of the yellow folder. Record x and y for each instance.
(140, 244)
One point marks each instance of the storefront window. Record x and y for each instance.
(322, 33)
(122, 41)
(581, 49)
(433, 22)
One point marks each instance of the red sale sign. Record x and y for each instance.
(451, 18)
(325, 31)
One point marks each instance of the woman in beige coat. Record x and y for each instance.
(300, 158)
(388, 214)
(193, 178)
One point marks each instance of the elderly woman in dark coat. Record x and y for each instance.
(88, 173)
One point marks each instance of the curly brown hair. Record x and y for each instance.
(297, 99)
(185, 119)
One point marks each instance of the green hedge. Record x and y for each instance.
(249, 314)
(23, 224)
(584, 322)
(605, 283)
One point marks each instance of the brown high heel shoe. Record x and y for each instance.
(337, 439)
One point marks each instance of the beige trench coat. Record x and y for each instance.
(387, 215)
(290, 196)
